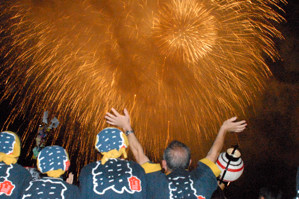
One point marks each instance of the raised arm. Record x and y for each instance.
(123, 121)
(229, 125)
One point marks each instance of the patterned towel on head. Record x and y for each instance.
(112, 143)
(53, 160)
(9, 147)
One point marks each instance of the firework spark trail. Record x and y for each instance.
(178, 66)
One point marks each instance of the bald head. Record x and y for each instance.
(177, 155)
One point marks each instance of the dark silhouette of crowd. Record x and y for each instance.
(113, 176)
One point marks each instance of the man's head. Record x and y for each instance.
(112, 143)
(176, 156)
(53, 160)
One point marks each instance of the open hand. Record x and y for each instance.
(116, 119)
(231, 125)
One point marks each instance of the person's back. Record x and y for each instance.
(112, 177)
(115, 179)
(53, 161)
(13, 177)
(50, 188)
(178, 182)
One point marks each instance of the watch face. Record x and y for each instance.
(129, 132)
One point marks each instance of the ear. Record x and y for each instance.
(190, 162)
(164, 165)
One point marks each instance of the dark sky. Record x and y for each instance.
(270, 144)
(270, 152)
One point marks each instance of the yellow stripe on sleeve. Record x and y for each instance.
(151, 167)
(212, 166)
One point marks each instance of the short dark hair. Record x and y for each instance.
(177, 155)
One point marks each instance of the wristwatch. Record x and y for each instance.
(129, 132)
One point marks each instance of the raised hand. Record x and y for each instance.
(231, 125)
(121, 121)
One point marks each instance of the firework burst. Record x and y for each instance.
(181, 66)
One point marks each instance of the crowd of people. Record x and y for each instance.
(113, 176)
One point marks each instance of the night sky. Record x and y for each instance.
(270, 144)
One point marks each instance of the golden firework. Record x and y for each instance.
(180, 66)
(185, 29)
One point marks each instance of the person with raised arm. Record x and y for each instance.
(177, 181)
(112, 176)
